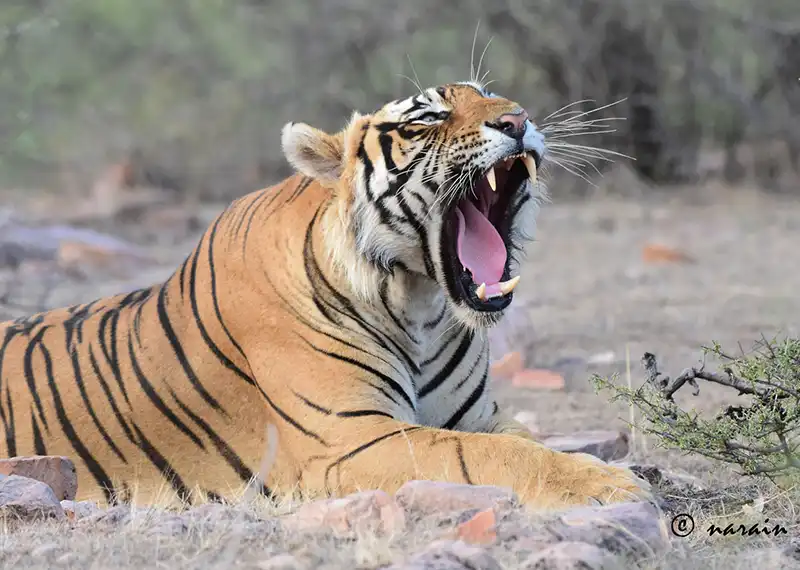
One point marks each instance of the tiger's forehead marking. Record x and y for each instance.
(471, 98)
(435, 99)
(428, 100)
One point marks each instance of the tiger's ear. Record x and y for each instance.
(313, 152)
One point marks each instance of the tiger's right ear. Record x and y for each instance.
(313, 152)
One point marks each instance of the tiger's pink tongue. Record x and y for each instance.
(480, 248)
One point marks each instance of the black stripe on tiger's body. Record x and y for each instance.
(345, 307)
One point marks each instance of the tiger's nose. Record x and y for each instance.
(511, 124)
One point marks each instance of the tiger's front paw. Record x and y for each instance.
(609, 483)
(581, 479)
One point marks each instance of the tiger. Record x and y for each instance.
(343, 310)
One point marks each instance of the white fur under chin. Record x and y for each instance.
(365, 276)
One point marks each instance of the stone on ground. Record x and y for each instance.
(449, 555)
(606, 445)
(437, 497)
(538, 379)
(27, 500)
(569, 556)
(76, 510)
(622, 528)
(374, 511)
(56, 471)
(480, 529)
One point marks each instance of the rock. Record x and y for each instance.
(56, 471)
(76, 510)
(659, 253)
(480, 529)
(281, 562)
(506, 366)
(449, 555)
(622, 528)
(606, 445)
(28, 500)
(569, 556)
(438, 497)
(66, 243)
(373, 511)
(538, 379)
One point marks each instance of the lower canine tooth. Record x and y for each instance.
(481, 291)
(492, 180)
(530, 164)
(508, 286)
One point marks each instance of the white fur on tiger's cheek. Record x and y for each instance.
(533, 139)
(524, 223)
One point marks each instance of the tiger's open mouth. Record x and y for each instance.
(476, 235)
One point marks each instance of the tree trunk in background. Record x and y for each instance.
(787, 72)
(632, 71)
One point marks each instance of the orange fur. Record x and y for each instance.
(280, 317)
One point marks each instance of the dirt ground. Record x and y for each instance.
(588, 291)
(585, 291)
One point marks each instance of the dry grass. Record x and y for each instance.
(247, 535)
(588, 292)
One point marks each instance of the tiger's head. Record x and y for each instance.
(442, 184)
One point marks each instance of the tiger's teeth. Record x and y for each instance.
(507, 286)
(530, 164)
(492, 180)
(481, 291)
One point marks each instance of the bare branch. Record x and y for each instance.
(759, 435)
(690, 376)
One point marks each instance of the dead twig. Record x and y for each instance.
(690, 376)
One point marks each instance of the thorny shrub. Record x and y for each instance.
(759, 434)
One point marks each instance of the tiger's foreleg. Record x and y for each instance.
(389, 453)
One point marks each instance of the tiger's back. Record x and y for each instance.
(148, 392)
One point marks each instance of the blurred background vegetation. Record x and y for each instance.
(191, 94)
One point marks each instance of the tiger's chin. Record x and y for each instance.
(477, 248)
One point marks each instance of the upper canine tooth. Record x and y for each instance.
(530, 164)
(481, 292)
(507, 286)
(492, 180)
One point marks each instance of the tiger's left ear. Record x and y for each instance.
(313, 152)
